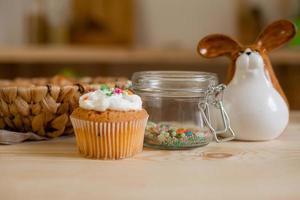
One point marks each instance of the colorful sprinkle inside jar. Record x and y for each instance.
(172, 136)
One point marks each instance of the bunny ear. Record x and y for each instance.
(276, 34)
(217, 45)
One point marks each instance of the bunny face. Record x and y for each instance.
(253, 53)
(249, 60)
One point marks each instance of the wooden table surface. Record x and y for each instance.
(233, 170)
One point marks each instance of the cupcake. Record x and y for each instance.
(109, 124)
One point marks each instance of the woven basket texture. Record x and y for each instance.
(42, 105)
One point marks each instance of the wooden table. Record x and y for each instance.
(234, 170)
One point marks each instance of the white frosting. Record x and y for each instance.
(99, 101)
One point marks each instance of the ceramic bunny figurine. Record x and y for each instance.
(254, 100)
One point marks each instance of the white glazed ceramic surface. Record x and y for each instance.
(255, 108)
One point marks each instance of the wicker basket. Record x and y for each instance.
(43, 106)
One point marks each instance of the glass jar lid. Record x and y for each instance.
(173, 83)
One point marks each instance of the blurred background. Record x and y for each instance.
(119, 37)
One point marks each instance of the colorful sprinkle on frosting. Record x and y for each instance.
(115, 91)
(110, 98)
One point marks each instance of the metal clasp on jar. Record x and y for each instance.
(214, 96)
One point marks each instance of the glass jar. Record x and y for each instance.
(182, 108)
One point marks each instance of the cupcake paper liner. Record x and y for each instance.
(109, 140)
